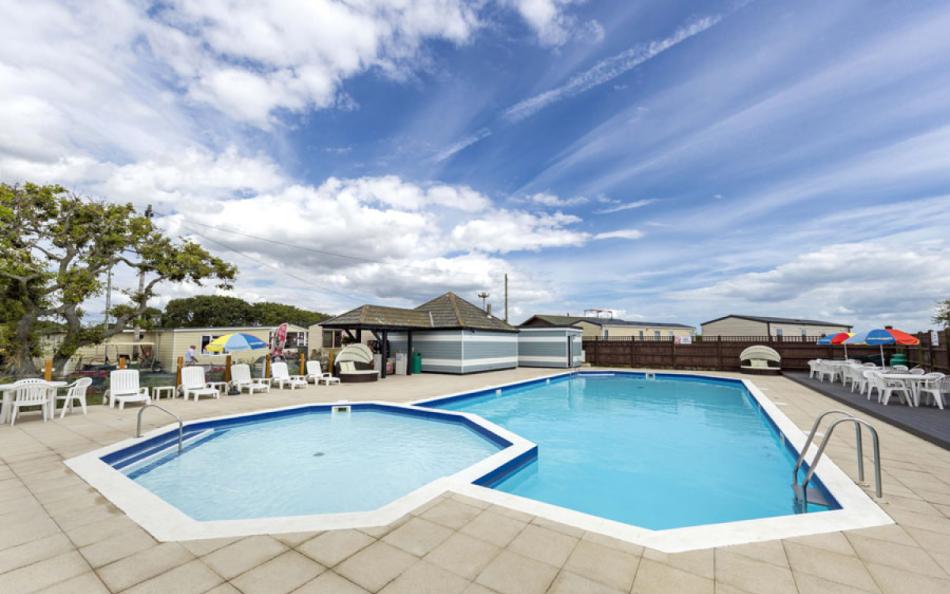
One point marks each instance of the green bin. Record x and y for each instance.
(898, 359)
(417, 362)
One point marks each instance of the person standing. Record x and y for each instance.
(190, 356)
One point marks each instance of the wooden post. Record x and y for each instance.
(181, 363)
(719, 352)
(384, 354)
(409, 353)
(122, 361)
(633, 349)
(267, 366)
(48, 370)
(330, 359)
(303, 364)
(673, 352)
(227, 367)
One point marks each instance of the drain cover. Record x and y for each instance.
(317, 454)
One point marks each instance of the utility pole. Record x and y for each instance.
(483, 295)
(506, 297)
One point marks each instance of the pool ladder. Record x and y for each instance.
(181, 425)
(803, 494)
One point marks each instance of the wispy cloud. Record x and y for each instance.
(546, 199)
(620, 234)
(608, 69)
(462, 144)
(627, 206)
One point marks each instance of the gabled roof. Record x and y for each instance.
(556, 320)
(448, 311)
(451, 311)
(770, 319)
(380, 316)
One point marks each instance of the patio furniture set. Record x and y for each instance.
(910, 386)
(124, 387)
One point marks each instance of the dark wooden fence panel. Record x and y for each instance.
(722, 353)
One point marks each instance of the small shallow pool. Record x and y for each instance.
(658, 453)
(312, 462)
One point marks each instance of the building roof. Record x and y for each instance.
(770, 319)
(451, 311)
(448, 311)
(557, 320)
(382, 317)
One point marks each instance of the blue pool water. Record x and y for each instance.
(663, 453)
(311, 464)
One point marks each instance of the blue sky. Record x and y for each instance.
(674, 161)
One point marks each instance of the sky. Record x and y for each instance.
(671, 161)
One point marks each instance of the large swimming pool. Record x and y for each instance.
(658, 453)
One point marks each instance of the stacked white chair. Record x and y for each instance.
(193, 383)
(936, 385)
(282, 377)
(242, 380)
(315, 372)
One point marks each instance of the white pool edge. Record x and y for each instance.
(167, 523)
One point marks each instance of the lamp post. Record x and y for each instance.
(483, 295)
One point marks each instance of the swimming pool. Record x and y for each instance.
(675, 462)
(659, 453)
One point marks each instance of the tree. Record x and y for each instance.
(207, 311)
(58, 253)
(220, 310)
(943, 314)
(273, 314)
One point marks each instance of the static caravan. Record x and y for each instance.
(550, 347)
(460, 351)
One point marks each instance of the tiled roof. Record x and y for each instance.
(379, 316)
(557, 320)
(447, 311)
(451, 311)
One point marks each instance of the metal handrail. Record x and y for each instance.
(849, 418)
(181, 424)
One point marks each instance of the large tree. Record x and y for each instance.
(943, 314)
(221, 310)
(55, 252)
(204, 311)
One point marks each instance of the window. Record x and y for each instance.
(641, 335)
(296, 339)
(205, 340)
(804, 332)
(606, 333)
(778, 332)
(656, 334)
(332, 338)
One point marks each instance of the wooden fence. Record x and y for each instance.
(722, 352)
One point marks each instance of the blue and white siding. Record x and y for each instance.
(460, 351)
(548, 347)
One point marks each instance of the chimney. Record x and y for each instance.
(489, 310)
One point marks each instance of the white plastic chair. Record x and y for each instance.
(826, 370)
(193, 383)
(813, 367)
(124, 387)
(936, 385)
(30, 392)
(242, 380)
(315, 372)
(918, 371)
(75, 392)
(891, 387)
(899, 368)
(282, 377)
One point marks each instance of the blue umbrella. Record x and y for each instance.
(882, 336)
(235, 342)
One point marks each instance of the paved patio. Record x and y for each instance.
(59, 535)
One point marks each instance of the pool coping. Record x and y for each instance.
(165, 522)
(857, 511)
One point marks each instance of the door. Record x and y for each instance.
(570, 347)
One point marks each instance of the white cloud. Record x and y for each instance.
(866, 283)
(504, 231)
(627, 206)
(607, 70)
(620, 234)
(547, 199)
(462, 144)
(547, 19)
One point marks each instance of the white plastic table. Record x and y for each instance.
(8, 390)
(167, 391)
(911, 380)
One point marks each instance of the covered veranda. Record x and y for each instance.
(381, 320)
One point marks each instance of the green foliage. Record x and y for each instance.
(218, 310)
(943, 314)
(58, 255)
(267, 313)
(204, 311)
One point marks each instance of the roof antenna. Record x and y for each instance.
(483, 295)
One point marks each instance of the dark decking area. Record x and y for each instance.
(926, 422)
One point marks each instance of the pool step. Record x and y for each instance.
(139, 458)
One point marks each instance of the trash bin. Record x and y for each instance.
(417, 362)
(898, 359)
